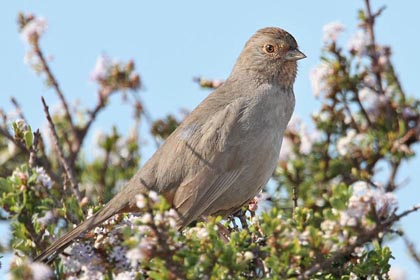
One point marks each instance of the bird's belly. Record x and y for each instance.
(262, 157)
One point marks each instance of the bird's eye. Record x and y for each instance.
(268, 48)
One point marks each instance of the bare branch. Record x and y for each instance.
(369, 25)
(67, 167)
(33, 149)
(53, 81)
(412, 250)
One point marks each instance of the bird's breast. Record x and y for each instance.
(267, 114)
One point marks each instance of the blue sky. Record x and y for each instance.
(175, 41)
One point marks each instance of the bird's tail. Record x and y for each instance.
(57, 247)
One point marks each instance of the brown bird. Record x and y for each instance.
(225, 151)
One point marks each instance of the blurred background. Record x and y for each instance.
(174, 42)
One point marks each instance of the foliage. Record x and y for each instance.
(328, 212)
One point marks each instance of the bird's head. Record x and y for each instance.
(270, 55)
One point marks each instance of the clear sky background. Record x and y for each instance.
(174, 41)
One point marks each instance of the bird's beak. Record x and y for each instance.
(294, 55)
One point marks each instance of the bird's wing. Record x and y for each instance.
(217, 152)
(195, 197)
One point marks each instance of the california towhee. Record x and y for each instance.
(225, 151)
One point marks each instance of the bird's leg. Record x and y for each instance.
(241, 215)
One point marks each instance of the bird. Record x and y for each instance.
(225, 150)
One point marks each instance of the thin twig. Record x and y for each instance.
(67, 167)
(53, 81)
(295, 197)
(392, 176)
(412, 250)
(362, 108)
(370, 22)
(33, 149)
(5, 133)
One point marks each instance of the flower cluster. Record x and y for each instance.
(114, 75)
(23, 268)
(332, 30)
(319, 76)
(365, 202)
(351, 143)
(115, 242)
(205, 83)
(297, 139)
(31, 27)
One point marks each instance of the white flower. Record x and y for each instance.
(46, 219)
(319, 78)
(347, 220)
(158, 219)
(370, 97)
(383, 60)
(248, 256)
(40, 271)
(199, 232)
(332, 30)
(34, 29)
(307, 139)
(141, 201)
(369, 80)
(362, 200)
(146, 218)
(172, 217)
(71, 265)
(373, 102)
(328, 225)
(100, 71)
(352, 140)
(125, 275)
(43, 178)
(140, 253)
(358, 43)
(21, 124)
(154, 196)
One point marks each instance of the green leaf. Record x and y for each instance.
(29, 137)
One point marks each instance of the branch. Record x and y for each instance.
(369, 25)
(412, 250)
(391, 186)
(53, 81)
(67, 167)
(33, 158)
(33, 149)
(362, 108)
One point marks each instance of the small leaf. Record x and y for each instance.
(29, 137)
